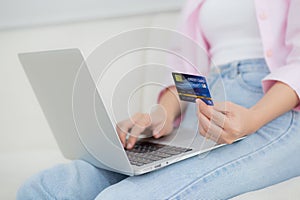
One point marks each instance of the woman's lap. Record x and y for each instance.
(261, 159)
(247, 165)
(75, 180)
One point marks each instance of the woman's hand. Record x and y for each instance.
(225, 122)
(157, 122)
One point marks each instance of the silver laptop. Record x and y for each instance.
(81, 124)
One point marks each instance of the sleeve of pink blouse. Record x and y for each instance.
(290, 73)
(188, 46)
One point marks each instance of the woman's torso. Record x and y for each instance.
(231, 30)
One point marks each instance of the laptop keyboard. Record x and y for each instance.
(146, 152)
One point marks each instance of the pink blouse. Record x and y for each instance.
(279, 27)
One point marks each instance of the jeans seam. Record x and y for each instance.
(257, 151)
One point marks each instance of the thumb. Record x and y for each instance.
(163, 129)
(158, 131)
(223, 107)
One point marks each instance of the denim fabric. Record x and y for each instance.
(266, 157)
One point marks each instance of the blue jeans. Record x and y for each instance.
(266, 157)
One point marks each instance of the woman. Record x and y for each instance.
(249, 42)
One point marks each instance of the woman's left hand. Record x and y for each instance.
(225, 122)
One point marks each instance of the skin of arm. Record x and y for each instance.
(225, 122)
(172, 104)
(270, 106)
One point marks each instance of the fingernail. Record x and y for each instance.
(129, 145)
(156, 136)
(198, 101)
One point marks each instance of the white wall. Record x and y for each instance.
(19, 13)
(27, 144)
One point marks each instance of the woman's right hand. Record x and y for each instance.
(157, 122)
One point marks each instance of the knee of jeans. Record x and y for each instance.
(33, 189)
(64, 181)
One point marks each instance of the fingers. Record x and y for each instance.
(123, 128)
(163, 129)
(159, 131)
(138, 123)
(215, 116)
(210, 130)
(223, 107)
(122, 132)
(134, 134)
(213, 121)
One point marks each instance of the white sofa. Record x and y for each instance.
(27, 144)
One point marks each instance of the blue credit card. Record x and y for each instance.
(192, 87)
